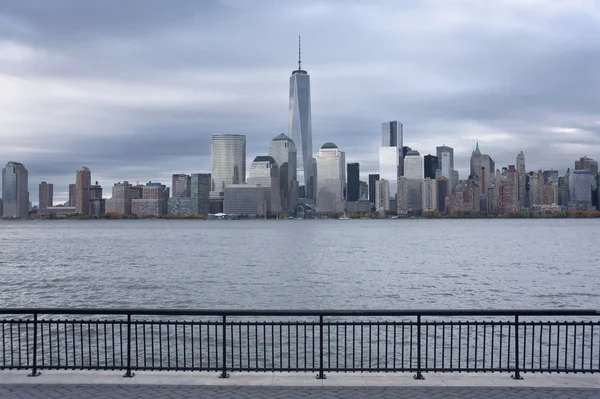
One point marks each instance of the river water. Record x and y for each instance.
(300, 264)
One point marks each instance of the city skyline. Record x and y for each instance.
(64, 104)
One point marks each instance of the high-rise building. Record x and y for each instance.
(428, 195)
(72, 191)
(581, 191)
(586, 163)
(331, 164)
(46, 196)
(440, 149)
(15, 192)
(245, 199)
(391, 161)
(364, 191)
(83, 183)
(200, 189)
(300, 125)
(483, 170)
(197, 201)
(228, 162)
(181, 185)
(431, 165)
(120, 202)
(508, 191)
(382, 195)
(443, 191)
(413, 165)
(283, 151)
(353, 188)
(551, 176)
(410, 195)
(445, 165)
(264, 172)
(536, 183)
(521, 179)
(97, 203)
(373, 178)
(153, 202)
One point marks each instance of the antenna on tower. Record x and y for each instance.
(299, 54)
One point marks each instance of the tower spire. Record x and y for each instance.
(299, 54)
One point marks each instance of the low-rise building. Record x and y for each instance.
(244, 199)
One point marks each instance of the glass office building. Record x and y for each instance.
(331, 164)
(228, 162)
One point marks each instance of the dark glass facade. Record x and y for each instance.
(353, 190)
(372, 179)
(430, 165)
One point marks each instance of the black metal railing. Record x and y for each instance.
(321, 341)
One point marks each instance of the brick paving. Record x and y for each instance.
(23, 391)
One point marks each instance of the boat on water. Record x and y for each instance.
(344, 217)
(393, 217)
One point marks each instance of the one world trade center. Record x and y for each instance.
(300, 127)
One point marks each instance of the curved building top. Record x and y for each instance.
(328, 145)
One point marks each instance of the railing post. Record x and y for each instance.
(34, 371)
(419, 375)
(517, 375)
(321, 375)
(128, 373)
(224, 373)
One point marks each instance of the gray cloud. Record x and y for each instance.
(135, 89)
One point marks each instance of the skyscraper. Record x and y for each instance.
(46, 195)
(83, 182)
(200, 190)
(300, 124)
(97, 203)
(413, 165)
(120, 202)
(439, 150)
(15, 193)
(429, 195)
(382, 195)
(228, 162)
(373, 178)
(431, 165)
(72, 195)
(353, 188)
(264, 172)
(283, 151)
(521, 179)
(391, 161)
(331, 163)
(483, 169)
(180, 186)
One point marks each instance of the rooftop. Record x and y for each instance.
(328, 145)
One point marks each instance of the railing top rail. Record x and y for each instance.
(302, 312)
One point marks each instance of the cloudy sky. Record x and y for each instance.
(134, 89)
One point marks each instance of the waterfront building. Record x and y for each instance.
(228, 162)
(360, 206)
(181, 185)
(363, 190)
(265, 172)
(83, 183)
(580, 189)
(382, 195)
(353, 186)
(373, 178)
(245, 199)
(283, 151)
(200, 190)
(522, 190)
(465, 198)
(15, 192)
(153, 202)
(97, 203)
(331, 164)
(445, 165)
(72, 191)
(46, 196)
(563, 189)
(120, 202)
(430, 163)
(443, 192)
(409, 199)
(59, 212)
(429, 195)
(402, 196)
(391, 161)
(300, 126)
(549, 194)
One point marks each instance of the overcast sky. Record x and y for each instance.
(134, 89)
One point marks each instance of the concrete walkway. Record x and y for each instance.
(90, 384)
